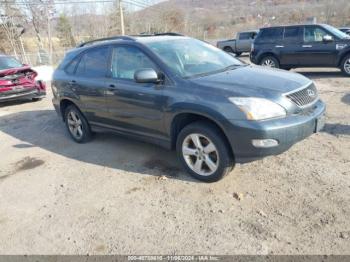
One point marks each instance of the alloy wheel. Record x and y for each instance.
(347, 66)
(75, 125)
(269, 63)
(200, 154)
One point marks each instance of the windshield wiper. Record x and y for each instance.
(231, 67)
(227, 68)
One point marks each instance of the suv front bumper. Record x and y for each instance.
(286, 131)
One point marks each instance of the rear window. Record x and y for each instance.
(247, 36)
(7, 62)
(271, 34)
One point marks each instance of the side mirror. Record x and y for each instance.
(327, 38)
(146, 76)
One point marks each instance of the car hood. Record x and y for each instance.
(248, 80)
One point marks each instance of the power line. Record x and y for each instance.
(132, 2)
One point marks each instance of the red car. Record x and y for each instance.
(17, 81)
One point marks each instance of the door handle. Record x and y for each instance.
(307, 46)
(279, 46)
(112, 87)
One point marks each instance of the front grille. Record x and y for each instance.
(305, 96)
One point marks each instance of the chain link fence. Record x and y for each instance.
(41, 57)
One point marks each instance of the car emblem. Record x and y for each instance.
(311, 92)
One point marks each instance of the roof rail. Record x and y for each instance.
(106, 39)
(159, 34)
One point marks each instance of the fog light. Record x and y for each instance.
(266, 143)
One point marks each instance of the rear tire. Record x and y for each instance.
(204, 152)
(77, 125)
(345, 65)
(270, 61)
(228, 49)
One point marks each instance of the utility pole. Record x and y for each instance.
(121, 17)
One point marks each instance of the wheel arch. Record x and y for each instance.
(183, 119)
(229, 48)
(64, 103)
(342, 57)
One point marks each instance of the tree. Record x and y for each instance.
(64, 32)
(11, 29)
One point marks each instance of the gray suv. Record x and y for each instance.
(184, 94)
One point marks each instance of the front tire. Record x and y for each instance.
(345, 65)
(77, 125)
(270, 61)
(204, 152)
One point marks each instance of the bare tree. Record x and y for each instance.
(11, 29)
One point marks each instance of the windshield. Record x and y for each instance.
(7, 62)
(336, 32)
(191, 57)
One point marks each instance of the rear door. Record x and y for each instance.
(314, 51)
(292, 39)
(88, 83)
(270, 40)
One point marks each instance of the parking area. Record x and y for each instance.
(116, 196)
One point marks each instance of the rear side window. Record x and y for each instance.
(246, 36)
(70, 69)
(93, 63)
(271, 34)
(292, 34)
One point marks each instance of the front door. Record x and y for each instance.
(314, 50)
(134, 107)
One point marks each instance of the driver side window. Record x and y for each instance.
(126, 60)
(314, 34)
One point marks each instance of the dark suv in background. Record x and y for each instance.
(313, 45)
(184, 94)
(346, 30)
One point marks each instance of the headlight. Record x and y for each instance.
(258, 108)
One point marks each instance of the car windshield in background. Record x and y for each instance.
(337, 32)
(7, 62)
(189, 57)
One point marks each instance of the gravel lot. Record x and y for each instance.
(115, 196)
